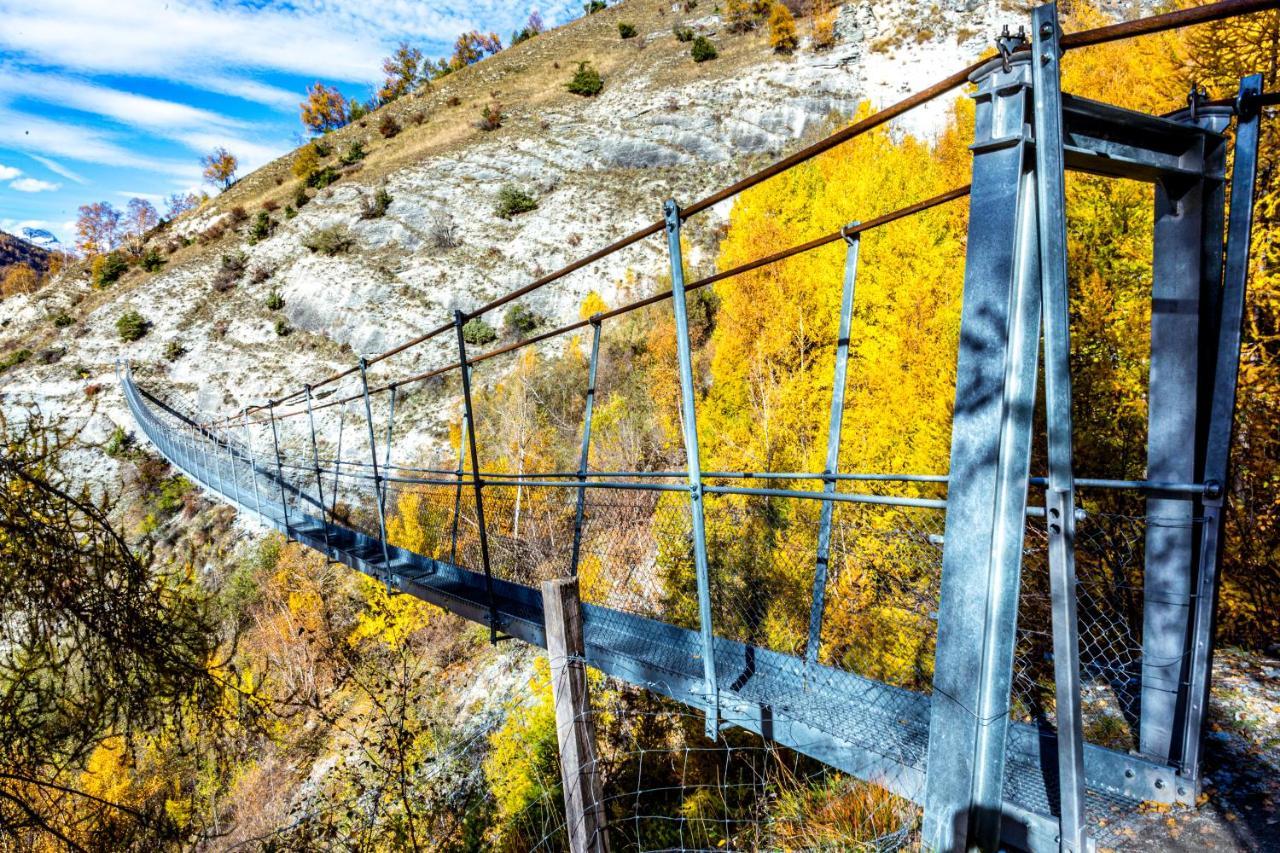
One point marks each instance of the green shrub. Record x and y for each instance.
(703, 49)
(477, 332)
(174, 350)
(19, 356)
(62, 319)
(682, 33)
(353, 154)
(512, 201)
(300, 198)
(282, 327)
(108, 268)
(152, 261)
(519, 321)
(320, 179)
(594, 6)
(586, 81)
(375, 207)
(275, 301)
(491, 116)
(331, 240)
(289, 211)
(132, 326)
(120, 442)
(261, 228)
(627, 31)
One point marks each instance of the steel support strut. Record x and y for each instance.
(689, 420)
(373, 459)
(386, 463)
(1226, 373)
(275, 444)
(253, 466)
(583, 457)
(315, 459)
(337, 460)
(832, 467)
(459, 320)
(457, 495)
(1060, 492)
(990, 462)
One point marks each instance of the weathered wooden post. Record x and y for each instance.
(583, 797)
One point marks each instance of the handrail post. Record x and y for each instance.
(852, 242)
(248, 440)
(586, 445)
(457, 495)
(386, 464)
(1060, 492)
(337, 462)
(459, 320)
(275, 443)
(373, 457)
(315, 459)
(1217, 456)
(671, 211)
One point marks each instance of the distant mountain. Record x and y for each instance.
(42, 238)
(16, 250)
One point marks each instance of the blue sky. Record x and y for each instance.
(103, 100)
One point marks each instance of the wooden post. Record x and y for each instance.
(583, 798)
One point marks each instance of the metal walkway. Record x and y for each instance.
(1025, 594)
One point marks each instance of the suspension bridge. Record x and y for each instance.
(1031, 590)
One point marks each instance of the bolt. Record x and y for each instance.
(1159, 784)
(1128, 773)
(1046, 30)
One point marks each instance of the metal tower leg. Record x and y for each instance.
(1060, 492)
(990, 461)
(377, 492)
(1226, 369)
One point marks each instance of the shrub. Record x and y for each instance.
(741, 16)
(289, 212)
(275, 301)
(282, 327)
(353, 154)
(330, 240)
(824, 33)
(594, 6)
(174, 350)
(682, 33)
(107, 269)
(388, 126)
(120, 442)
(478, 333)
(230, 269)
(519, 321)
(62, 319)
(260, 274)
(703, 49)
(300, 198)
(782, 29)
(132, 326)
(491, 116)
(18, 356)
(321, 178)
(586, 81)
(443, 230)
(152, 261)
(306, 162)
(271, 205)
(419, 118)
(261, 228)
(238, 214)
(375, 207)
(627, 31)
(454, 101)
(513, 201)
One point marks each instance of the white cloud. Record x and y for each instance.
(35, 135)
(33, 185)
(57, 168)
(8, 173)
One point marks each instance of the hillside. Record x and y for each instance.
(15, 250)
